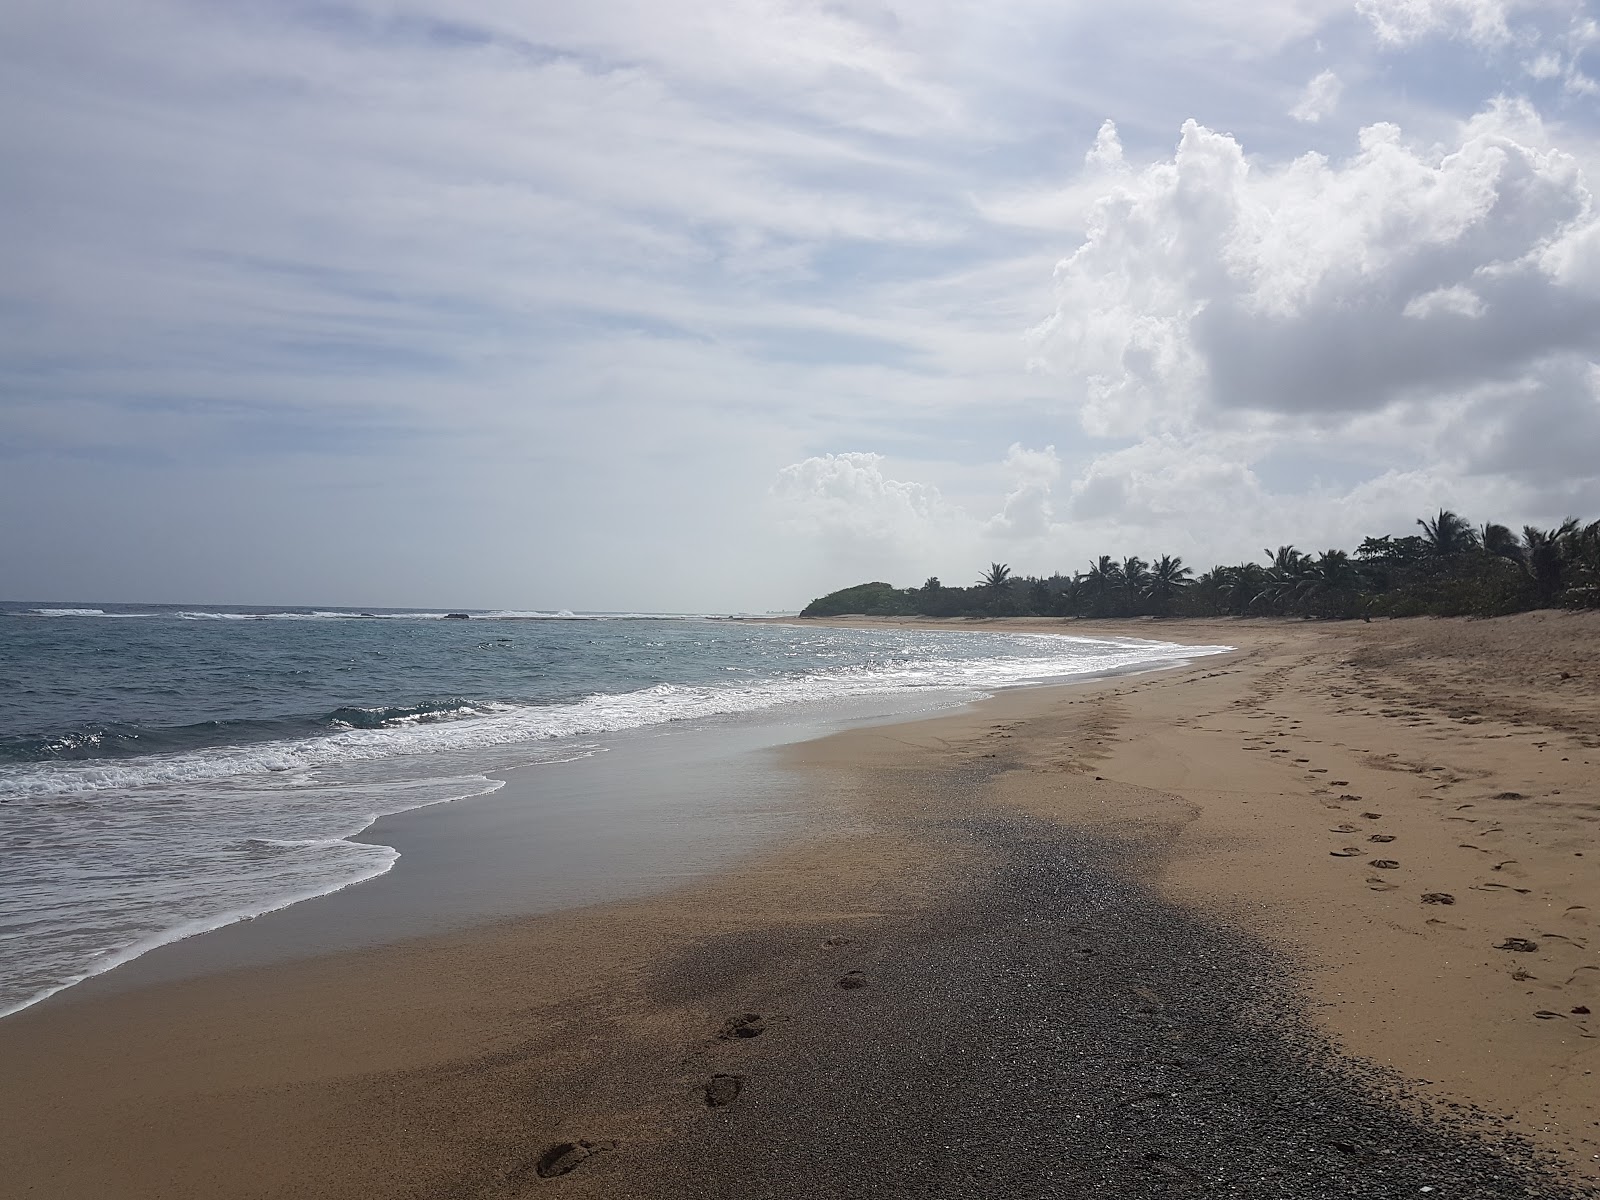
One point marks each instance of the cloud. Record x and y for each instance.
(1027, 512)
(1545, 39)
(1486, 22)
(1209, 285)
(1320, 98)
(861, 516)
(1315, 348)
(512, 253)
(1455, 300)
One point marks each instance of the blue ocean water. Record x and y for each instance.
(165, 770)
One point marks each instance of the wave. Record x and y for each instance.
(123, 741)
(362, 734)
(393, 716)
(326, 614)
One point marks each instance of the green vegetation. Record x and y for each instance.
(865, 599)
(1451, 568)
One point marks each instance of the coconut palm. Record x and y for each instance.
(1071, 597)
(1330, 585)
(997, 578)
(1447, 535)
(1167, 577)
(1102, 581)
(1497, 541)
(1135, 582)
(1283, 580)
(1583, 574)
(1547, 553)
(1232, 589)
(997, 582)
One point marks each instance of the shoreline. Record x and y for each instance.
(489, 1045)
(474, 779)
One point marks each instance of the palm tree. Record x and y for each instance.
(1039, 597)
(1330, 585)
(1168, 576)
(1101, 581)
(1497, 541)
(1071, 597)
(1135, 582)
(997, 581)
(997, 578)
(1546, 555)
(1583, 575)
(1447, 535)
(1231, 589)
(1281, 587)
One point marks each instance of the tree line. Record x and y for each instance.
(1450, 568)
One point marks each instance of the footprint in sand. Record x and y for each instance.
(1381, 837)
(564, 1156)
(1520, 945)
(1369, 816)
(1377, 884)
(837, 939)
(1344, 829)
(1348, 852)
(746, 1025)
(722, 1090)
(1438, 898)
(852, 980)
(1384, 864)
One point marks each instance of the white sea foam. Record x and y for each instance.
(507, 724)
(116, 857)
(68, 612)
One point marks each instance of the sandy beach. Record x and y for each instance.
(1314, 918)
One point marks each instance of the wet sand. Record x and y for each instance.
(1108, 939)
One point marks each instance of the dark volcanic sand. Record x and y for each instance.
(1055, 1030)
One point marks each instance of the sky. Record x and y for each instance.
(719, 307)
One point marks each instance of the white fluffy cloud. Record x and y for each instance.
(1028, 510)
(1397, 22)
(862, 517)
(1407, 304)
(859, 517)
(1209, 284)
(1320, 98)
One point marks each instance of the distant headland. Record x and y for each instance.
(1451, 568)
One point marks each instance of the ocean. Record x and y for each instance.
(165, 770)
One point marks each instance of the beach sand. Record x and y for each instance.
(1311, 919)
